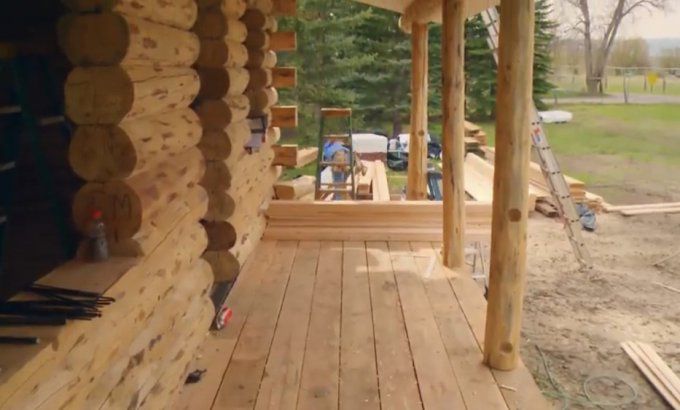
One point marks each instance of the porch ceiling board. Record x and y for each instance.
(400, 6)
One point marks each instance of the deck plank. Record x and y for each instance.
(397, 380)
(218, 347)
(436, 379)
(476, 382)
(281, 381)
(321, 365)
(526, 394)
(358, 373)
(242, 379)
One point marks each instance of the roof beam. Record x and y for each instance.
(425, 11)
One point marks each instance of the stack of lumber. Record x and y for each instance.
(644, 209)
(292, 156)
(365, 180)
(136, 354)
(655, 370)
(129, 94)
(297, 188)
(479, 181)
(474, 132)
(381, 189)
(137, 146)
(368, 220)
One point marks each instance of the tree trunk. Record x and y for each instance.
(396, 123)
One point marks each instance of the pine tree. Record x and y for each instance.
(544, 34)
(480, 72)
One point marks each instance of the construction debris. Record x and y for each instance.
(644, 209)
(655, 370)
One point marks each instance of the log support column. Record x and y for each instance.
(416, 187)
(453, 132)
(511, 185)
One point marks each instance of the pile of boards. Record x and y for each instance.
(655, 370)
(645, 209)
(369, 220)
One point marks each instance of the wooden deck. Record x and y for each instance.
(354, 325)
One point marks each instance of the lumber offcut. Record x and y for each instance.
(655, 370)
(290, 155)
(295, 188)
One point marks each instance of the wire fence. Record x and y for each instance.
(621, 81)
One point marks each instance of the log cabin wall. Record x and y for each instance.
(235, 66)
(136, 146)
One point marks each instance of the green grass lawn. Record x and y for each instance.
(632, 133)
(574, 85)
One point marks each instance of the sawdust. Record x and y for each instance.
(579, 318)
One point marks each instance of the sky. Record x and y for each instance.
(657, 24)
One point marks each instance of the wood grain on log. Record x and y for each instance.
(218, 144)
(109, 95)
(111, 38)
(217, 83)
(257, 40)
(230, 8)
(261, 100)
(222, 53)
(176, 13)
(259, 78)
(214, 24)
(104, 152)
(261, 59)
(284, 77)
(217, 114)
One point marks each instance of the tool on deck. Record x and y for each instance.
(24, 70)
(549, 165)
(336, 151)
(223, 313)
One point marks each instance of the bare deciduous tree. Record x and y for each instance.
(598, 39)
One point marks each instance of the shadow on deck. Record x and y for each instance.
(354, 325)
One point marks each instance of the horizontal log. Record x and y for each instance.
(231, 8)
(217, 114)
(261, 100)
(218, 83)
(220, 204)
(254, 19)
(221, 235)
(284, 77)
(105, 152)
(214, 24)
(29, 378)
(191, 205)
(218, 144)
(286, 8)
(129, 41)
(261, 59)
(177, 13)
(290, 155)
(120, 378)
(257, 40)
(218, 175)
(283, 41)
(295, 188)
(284, 116)
(224, 264)
(109, 95)
(127, 204)
(259, 78)
(222, 53)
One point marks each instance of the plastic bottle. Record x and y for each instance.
(98, 249)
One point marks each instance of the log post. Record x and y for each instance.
(511, 185)
(416, 187)
(453, 131)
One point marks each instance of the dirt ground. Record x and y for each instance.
(577, 319)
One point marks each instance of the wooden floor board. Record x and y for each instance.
(216, 351)
(396, 377)
(520, 391)
(358, 374)
(242, 379)
(436, 381)
(321, 365)
(281, 381)
(475, 380)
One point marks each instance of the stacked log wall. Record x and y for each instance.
(137, 146)
(235, 68)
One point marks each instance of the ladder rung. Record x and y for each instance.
(336, 137)
(334, 191)
(51, 120)
(336, 112)
(333, 163)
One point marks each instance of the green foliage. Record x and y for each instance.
(480, 72)
(544, 35)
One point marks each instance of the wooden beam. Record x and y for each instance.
(511, 185)
(381, 188)
(290, 155)
(284, 77)
(283, 41)
(453, 132)
(336, 112)
(295, 188)
(416, 186)
(424, 11)
(284, 116)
